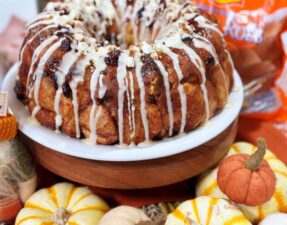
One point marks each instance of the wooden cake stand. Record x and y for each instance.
(136, 174)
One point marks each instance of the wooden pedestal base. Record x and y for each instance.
(139, 174)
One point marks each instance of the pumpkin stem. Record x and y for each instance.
(61, 216)
(255, 160)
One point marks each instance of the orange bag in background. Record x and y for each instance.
(256, 33)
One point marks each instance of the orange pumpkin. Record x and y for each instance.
(8, 127)
(247, 179)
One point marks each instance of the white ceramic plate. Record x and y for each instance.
(166, 147)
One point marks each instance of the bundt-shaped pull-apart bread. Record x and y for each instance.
(123, 71)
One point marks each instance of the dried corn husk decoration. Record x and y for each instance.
(7, 181)
(17, 172)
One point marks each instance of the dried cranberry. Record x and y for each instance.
(67, 90)
(20, 90)
(113, 57)
(148, 64)
(210, 61)
(66, 45)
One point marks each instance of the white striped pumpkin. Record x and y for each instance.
(206, 210)
(62, 204)
(124, 215)
(275, 219)
(207, 185)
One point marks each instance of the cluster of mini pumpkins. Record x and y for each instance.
(248, 187)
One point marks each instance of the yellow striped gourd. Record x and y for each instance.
(62, 204)
(206, 210)
(207, 185)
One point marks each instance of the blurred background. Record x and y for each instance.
(13, 13)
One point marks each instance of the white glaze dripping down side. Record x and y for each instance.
(175, 41)
(41, 16)
(191, 53)
(121, 76)
(203, 22)
(78, 77)
(68, 60)
(168, 96)
(129, 105)
(132, 106)
(35, 58)
(32, 38)
(147, 49)
(181, 91)
(39, 73)
(202, 42)
(99, 61)
(141, 85)
(102, 87)
(41, 23)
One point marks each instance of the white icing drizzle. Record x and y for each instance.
(208, 46)
(129, 103)
(147, 49)
(121, 76)
(35, 57)
(78, 77)
(141, 85)
(39, 72)
(132, 106)
(168, 96)
(138, 5)
(202, 42)
(100, 65)
(203, 22)
(181, 91)
(41, 16)
(68, 60)
(41, 23)
(73, 85)
(102, 87)
(96, 112)
(176, 42)
(30, 41)
(122, 5)
(107, 7)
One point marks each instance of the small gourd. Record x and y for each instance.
(247, 179)
(206, 210)
(125, 215)
(275, 219)
(62, 204)
(8, 127)
(207, 185)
